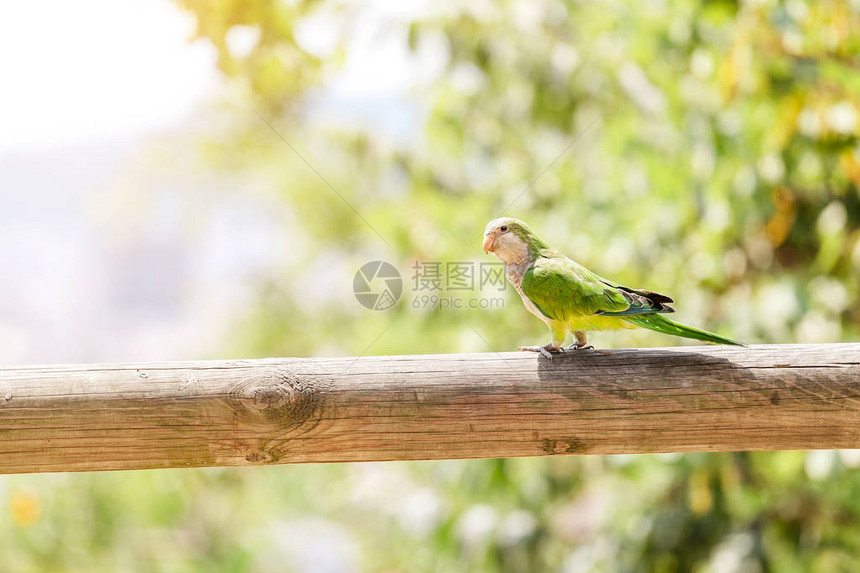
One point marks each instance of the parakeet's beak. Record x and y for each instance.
(489, 239)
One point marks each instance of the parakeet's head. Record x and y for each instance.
(511, 240)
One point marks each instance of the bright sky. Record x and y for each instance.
(94, 70)
(84, 86)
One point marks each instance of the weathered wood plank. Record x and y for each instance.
(252, 412)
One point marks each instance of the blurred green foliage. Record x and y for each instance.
(723, 165)
(722, 168)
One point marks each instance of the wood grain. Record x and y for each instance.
(252, 412)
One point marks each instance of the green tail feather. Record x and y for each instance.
(661, 324)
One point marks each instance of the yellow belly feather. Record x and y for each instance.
(586, 323)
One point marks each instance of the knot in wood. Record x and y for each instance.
(269, 400)
(277, 398)
(571, 445)
(260, 457)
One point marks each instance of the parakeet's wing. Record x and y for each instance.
(561, 289)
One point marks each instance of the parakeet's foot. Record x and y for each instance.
(581, 341)
(578, 346)
(547, 350)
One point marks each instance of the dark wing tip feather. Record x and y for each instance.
(639, 305)
(655, 296)
(642, 302)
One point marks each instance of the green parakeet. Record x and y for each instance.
(570, 298)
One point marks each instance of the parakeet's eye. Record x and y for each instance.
(503, 228)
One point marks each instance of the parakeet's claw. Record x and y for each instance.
(546, 350)
(546, 353)
(577, 346)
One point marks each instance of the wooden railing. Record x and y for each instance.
(290, 410)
